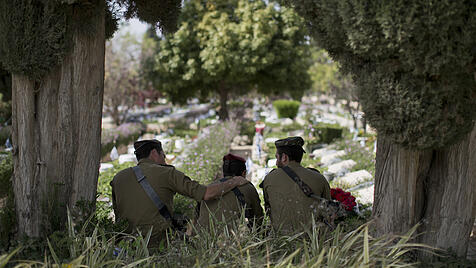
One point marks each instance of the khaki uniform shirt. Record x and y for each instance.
(132, 203)
(228, 209)
(291, 210)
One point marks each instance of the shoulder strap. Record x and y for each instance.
(241, 198)
(142, 180)
(304, 187)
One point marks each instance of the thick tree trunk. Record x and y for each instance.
(223, 112)
(56, 136)
(436, 188)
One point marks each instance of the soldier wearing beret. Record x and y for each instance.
(290, 208)
(229, 206)
(137, 203)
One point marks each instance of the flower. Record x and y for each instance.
(347, 200)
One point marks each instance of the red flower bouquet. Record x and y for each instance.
(347, 200)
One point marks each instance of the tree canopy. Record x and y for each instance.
(234, 46)
(413, 62)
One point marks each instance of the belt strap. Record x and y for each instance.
(304, 187)
(142, 180)
(241, 198)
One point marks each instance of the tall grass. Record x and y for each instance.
(225, 245)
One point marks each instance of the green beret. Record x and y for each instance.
(290, 142)
(138, 145)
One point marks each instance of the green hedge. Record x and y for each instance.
(286, 108)
(328, 132)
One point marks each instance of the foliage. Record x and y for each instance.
(123, 134)
(323, 71)
(36, 35)
(149, 78)
(121, 76)
(326, 133)
(163, 14)
(286, 108)
(7, 205)
(233, 47)
(417, 91)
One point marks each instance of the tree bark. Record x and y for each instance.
(436, 188)
(223, 112)
(57, 135)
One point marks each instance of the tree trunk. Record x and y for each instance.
(57, 136)
(223, 112)
(436, 188)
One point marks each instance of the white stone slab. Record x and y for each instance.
(342, 167)
(105, 166)
(354, 178)
(366, 195)
(319, 153)
(123, 158)
(332, 157)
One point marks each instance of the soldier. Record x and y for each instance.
(143, 195)
(292, 193)
(231, 204)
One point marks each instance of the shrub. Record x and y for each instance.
(286, 108)
(123, 134)
(328, 132)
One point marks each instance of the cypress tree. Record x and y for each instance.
(54, 50)
(414, 64)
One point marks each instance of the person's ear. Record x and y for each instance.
(243, 174)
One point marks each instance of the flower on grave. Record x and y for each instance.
(345, 198)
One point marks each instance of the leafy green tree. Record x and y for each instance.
(232, 47)
(414, 66)
(54, 50)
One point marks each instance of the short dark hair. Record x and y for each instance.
(293, 152)
(145, 150)
(233, 168)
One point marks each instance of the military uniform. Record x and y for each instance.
(228, 207)
(133, 204)
(290, 209)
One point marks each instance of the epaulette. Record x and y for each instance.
(313, 169)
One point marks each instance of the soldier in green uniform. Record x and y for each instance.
(290, 208)
(139, 204)
(229, 206)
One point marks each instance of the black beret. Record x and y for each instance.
(290, 142)
(138, 145)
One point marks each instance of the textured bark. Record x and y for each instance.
(436, 188)
(56, 135)
(223, 112)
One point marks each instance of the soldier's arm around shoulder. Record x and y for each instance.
(183, 185)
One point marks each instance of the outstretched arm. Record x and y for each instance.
(217, 189)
